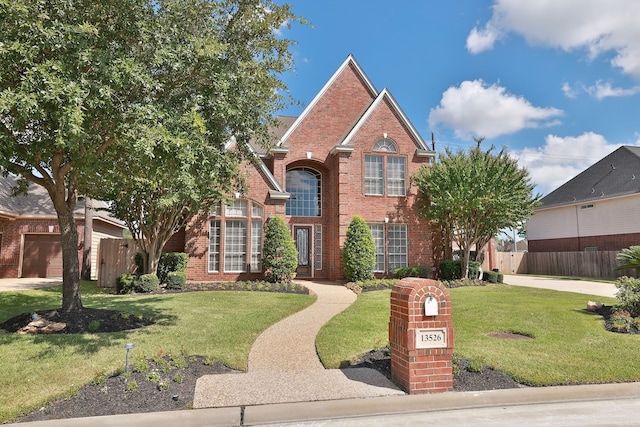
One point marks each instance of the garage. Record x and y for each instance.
(42, 256)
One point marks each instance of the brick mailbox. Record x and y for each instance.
(421, 336)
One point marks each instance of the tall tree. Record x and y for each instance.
(214, 70)
(473, 195)
(85, 83)
(67, 81)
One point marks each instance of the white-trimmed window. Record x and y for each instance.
(214, 245)
(396, 170)
(238, 207)
(256, 246)
(377, 231)
(256, 211)
(236, 237)
(235, 246)
(397, 245)
(373, 175)
(304, 186)
(376, 182)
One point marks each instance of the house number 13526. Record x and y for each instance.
(431, 338)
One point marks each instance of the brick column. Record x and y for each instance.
(421, 344)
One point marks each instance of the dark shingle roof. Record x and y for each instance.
(277, 132)
(617, 174)
(37, 203)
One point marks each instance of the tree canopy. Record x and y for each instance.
(472, 195)
(213, 68)
(93, 90)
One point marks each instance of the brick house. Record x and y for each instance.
(30, 235)
(598, 210)
(351, 151)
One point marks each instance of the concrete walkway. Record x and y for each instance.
(284, 366)
(27, 284)
(578, 286)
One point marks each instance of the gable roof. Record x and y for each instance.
(386, 95)
(37, 204)
(350, 61)
(617, 174)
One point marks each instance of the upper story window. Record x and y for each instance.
(376, 181)
(304, 187)
(237, 208)
(385, 145)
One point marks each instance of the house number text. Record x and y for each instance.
(431, 338)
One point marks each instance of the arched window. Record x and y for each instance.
(385, 145)
(304, 187)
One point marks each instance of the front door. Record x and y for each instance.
(302, 235)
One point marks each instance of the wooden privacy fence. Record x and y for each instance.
(596, 264)
(117, 256)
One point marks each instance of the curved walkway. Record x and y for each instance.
(284, 366)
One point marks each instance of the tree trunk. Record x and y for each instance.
(87, 240)
(71, 300)
(466, 254)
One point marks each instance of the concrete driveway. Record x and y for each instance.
(25, 284)
(578, 286)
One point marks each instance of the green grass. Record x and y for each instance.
(221, 325)
(570, 344)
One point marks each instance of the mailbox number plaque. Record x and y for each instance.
(431, 338)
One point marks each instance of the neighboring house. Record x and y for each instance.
(597, 210)
(30, 236)
(351, 152)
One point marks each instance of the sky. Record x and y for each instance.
(555, 82)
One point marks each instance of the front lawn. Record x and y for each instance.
(570, 345)
(220, 325)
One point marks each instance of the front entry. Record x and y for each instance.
(302, 234)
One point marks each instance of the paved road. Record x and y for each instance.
(565, 414)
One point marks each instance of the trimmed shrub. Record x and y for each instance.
(452, 269)
(490, 276)
(171, 261)
(359, 252)
(125, 283)
(402, 272)
(280, 256)
(628, 295)
(176, 279)
(147, 283)
(500, 278)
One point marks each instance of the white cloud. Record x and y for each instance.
(569, 92)
(477, 109)
(597, 26)
(483, 39)
(562, 158)
(604, 90)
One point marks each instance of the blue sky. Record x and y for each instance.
(555, 82)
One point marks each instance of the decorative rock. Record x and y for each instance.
(42, 326)
(594, 306)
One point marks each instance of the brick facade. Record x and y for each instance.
(331, 137)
